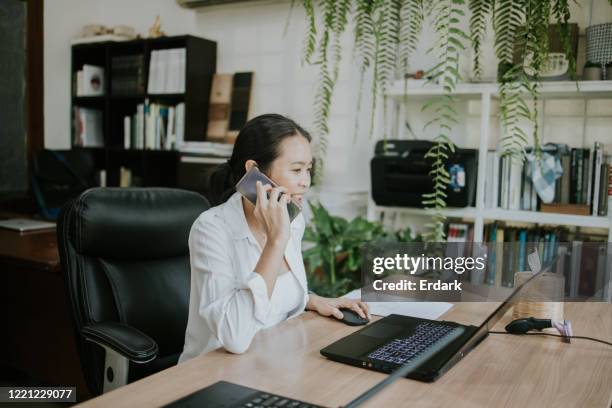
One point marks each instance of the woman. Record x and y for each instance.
(247, 271)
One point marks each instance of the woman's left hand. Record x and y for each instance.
(331, 306)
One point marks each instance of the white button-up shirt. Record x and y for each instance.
(229, 301)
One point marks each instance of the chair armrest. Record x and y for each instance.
(125, 340)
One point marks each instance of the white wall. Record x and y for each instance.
(250, 36)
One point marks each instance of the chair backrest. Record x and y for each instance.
(125, 258)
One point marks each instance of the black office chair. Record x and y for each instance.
(125, 259)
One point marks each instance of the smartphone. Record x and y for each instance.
(247, 187)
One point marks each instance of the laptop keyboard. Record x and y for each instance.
(400, 351)
(263, 400)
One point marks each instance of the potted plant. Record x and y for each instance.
(592, 71)
(333, 260)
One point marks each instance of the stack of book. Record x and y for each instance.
(167, 71)
(588, 178)
(207, 148)
(155, 127)
(128, 75)
(87, 124)
(581, 190)
(581, 258)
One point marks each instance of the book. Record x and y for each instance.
(125, 177)
(180, 124)
(600, 283)
(596, 175)
(565, 179)
(495, 189)
(170, 129)
(167, 71)
(240, 103)
(504, 181)
(87, 127)
(128, 75)
(603, 187)
(526, 189)
(574, 195)
(499, 257)
(127, 132)
(219, 108)
(140, 125)
(493, 254)
(522, 249)
(588, 270)
(580, 176)
(507, 278)
(586, 177)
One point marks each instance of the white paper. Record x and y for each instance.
(424, 310)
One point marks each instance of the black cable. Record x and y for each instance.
(553, 335)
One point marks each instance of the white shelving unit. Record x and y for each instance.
(486, 92)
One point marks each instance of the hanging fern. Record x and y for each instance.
(310, 42)
(364, 31)
(561, 13)
(364, 45)
(387, 37)
(449, 42)
(480, 10)
(335, 20)
(387, 33)
(513, 107)
(411, 24)
(507, 19)
(323, 96)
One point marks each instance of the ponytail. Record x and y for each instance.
(221, 183)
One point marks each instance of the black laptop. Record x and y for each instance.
(394, 340)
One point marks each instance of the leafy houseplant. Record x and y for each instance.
(386, 33)
(334, 261)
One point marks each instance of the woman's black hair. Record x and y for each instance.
(258, 140)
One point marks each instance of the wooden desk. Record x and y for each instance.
(37, 334)
(504, 370)
(30, 249)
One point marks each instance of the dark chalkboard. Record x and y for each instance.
(13, 163)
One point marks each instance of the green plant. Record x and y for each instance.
(334, 259)
(385, 35)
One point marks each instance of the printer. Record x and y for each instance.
(400, 174)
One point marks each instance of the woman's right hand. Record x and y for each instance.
(272, 213)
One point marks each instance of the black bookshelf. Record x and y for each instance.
(149, 167)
